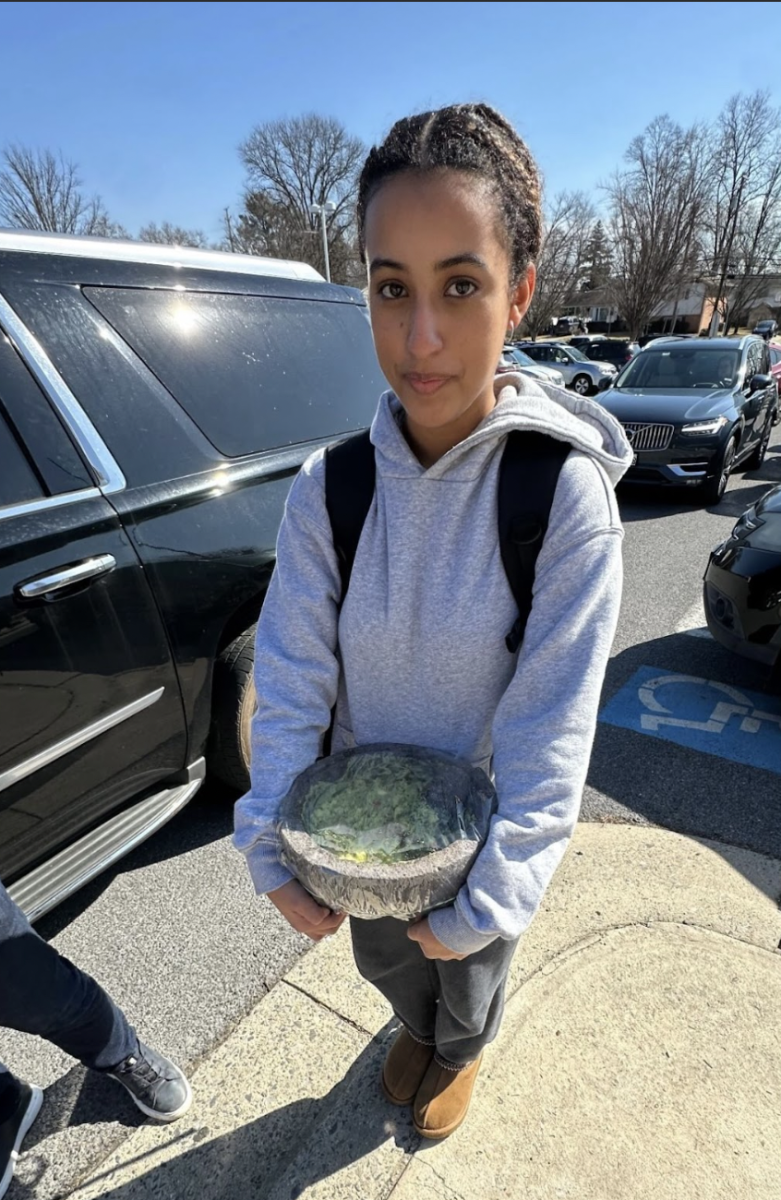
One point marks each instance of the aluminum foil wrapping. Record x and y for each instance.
(385, 830)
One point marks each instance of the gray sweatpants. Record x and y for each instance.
(455, 1005)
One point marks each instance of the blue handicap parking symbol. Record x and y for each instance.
(702, 714)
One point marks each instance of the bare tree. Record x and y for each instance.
(656, 206)
(293, 164)
(561, 260)
(743, 223)
(43, 191)
(173, 235)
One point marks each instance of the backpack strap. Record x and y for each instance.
(349, 487)
(528, 475)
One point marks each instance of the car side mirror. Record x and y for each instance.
(605, 382)
(758, 383)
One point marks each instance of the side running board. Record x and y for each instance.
(60, 876)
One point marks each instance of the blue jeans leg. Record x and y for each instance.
(42, 992)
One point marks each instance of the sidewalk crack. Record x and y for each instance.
(593, 938)
(333, 1011)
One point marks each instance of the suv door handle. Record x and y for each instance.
(47, 585)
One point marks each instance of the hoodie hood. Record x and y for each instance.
(521, 403)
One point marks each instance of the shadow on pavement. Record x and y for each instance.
(641, 503)
(281, 1153)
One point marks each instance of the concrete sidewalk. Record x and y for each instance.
(640, 1058)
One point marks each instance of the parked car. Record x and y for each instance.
(514, 359)
(613, 350)
(775, 365)
(579, 372)
(765, 329)
(581, 341)
(155, 404)
(742, 589)
(695, 411)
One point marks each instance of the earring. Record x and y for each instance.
(510, 329)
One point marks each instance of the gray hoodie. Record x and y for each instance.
(422, 656)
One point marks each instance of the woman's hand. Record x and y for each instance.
(303, 913)
(431, 946)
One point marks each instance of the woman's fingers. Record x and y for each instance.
(303, 912)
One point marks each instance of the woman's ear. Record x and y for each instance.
(522, 296)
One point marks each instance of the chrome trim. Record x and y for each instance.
(104, 467)
(66, 872)
(682, 473)
(28, 507)
(116, 250)
(56, 581)
(646, 435)
(61, 748)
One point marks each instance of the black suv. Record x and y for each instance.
(695, 410)
(612, 350)
(155, 404)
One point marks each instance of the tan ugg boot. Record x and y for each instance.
(443, 1099)
(406, 1064)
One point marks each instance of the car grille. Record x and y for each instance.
(648, 437)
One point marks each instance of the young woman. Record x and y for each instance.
(449, 222)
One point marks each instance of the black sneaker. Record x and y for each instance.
(14, 1129)
(157, 1087)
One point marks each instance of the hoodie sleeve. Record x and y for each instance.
(544, 726)
(296, 672)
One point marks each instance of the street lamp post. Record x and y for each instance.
(323, 211)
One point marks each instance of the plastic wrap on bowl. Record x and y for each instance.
(384, 829)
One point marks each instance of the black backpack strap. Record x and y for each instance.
(349, 487)
(528, 475)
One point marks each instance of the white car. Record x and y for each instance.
(514, 359)
(580, 373)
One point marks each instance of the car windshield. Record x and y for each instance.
(573, 352)
(522, 359)
(681, 367)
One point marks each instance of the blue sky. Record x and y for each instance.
(152, 99)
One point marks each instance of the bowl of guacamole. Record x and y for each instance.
(385, 829)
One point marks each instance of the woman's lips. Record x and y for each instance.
(426, 385)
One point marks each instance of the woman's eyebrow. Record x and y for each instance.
(458, 260)
(378, 264)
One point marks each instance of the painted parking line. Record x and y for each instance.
(702, 714)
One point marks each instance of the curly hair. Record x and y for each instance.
(465, 137)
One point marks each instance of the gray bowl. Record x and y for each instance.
(403, 889)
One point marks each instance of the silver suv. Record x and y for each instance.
(581, 374)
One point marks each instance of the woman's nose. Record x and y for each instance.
(423, 337)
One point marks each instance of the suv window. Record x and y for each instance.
(38, 427)
(18, 481)
(235, 364)
(753, 361)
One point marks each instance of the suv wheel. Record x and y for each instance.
(233, 706)
(758, 457)
(582, 385)
(715, 488)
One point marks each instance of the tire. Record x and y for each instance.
(715, 488)
(758, 457)
(233, 705)
(583, 385)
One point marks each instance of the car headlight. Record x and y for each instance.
(605, 369)
(706, 428)
(558, 379)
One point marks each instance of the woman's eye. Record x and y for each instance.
(392, 291)
(461, 287)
